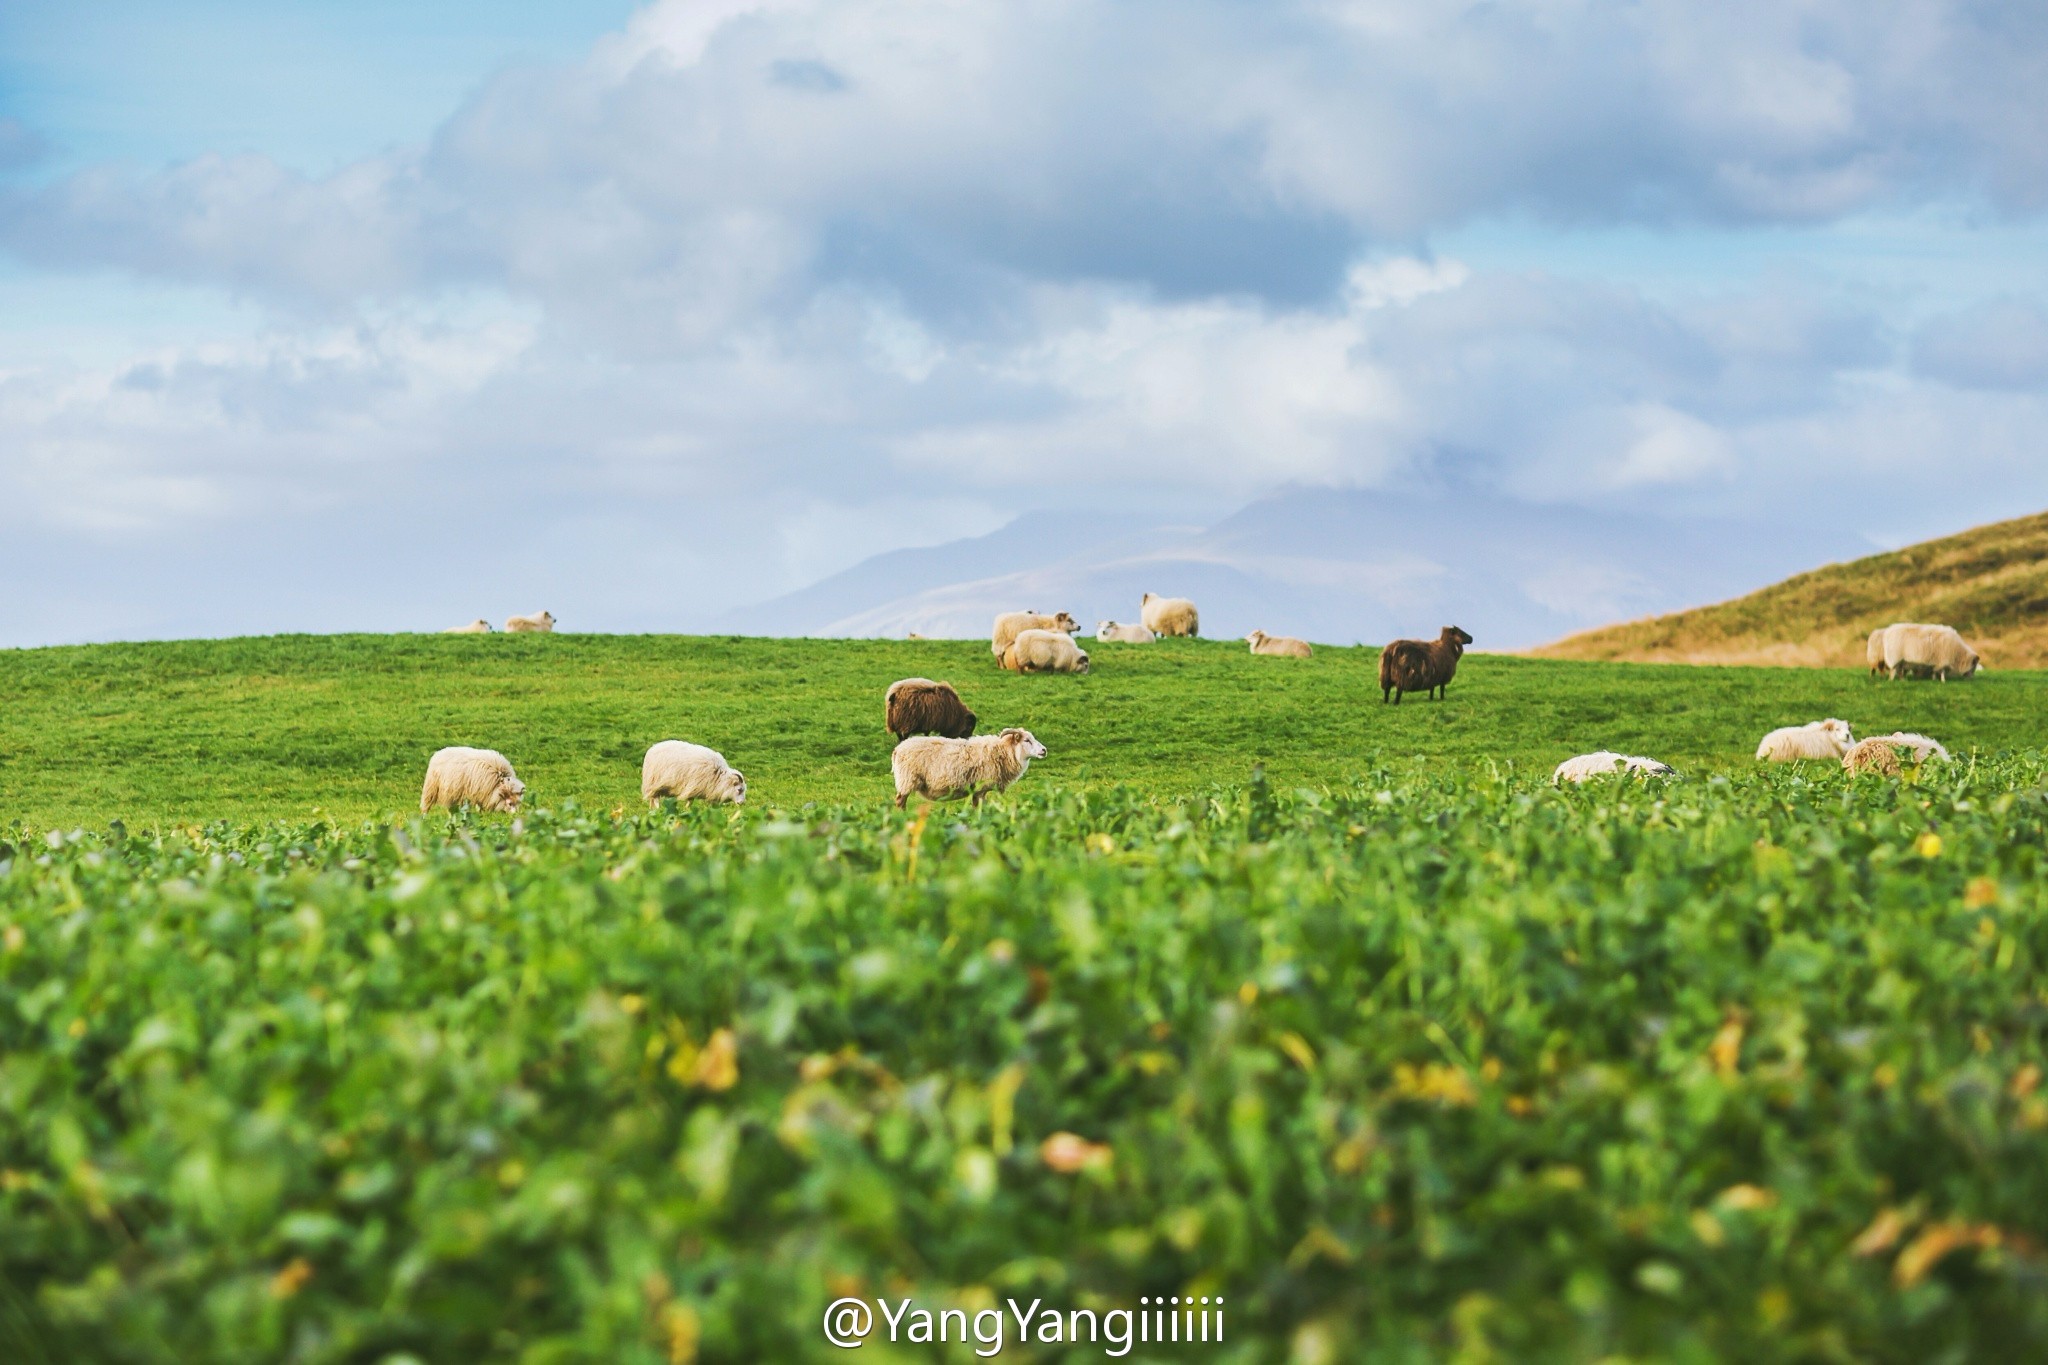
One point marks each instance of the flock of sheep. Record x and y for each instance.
(1908, 649)
(939, 757)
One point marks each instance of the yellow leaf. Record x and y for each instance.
(2024, 1081)
(1924, 1252)
(1296, 1046)
(1708, 1228)
(1248, 993)
(1981, 892)
(1746, 1197)
(1928, 845)
(683, 1328)
(1726, 1049)
(291, 1279)
(1882, 1234)
(718, 1066)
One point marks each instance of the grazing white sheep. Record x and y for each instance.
(476, 627)
(1045, 651)
(1011, 624)
(690, 772)
(1873, 651)
(945, 769)
(1112, 632)
(1583, 766)
(1169, 615)
(1885, 755)
(461, 776)
(1913, 647)
(1280, 645)
(542, 621)
(1827, 739)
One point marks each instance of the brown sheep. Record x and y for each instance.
(1421, 665)
(919, 706)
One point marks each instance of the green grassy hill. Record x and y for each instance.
(263, 728)
(1990, 583)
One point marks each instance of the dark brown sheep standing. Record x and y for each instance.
(1421, 665)
(919, 706)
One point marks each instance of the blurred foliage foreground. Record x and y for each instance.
(1410, 1069)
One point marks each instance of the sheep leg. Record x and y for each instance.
(901, 797)
(974, 798)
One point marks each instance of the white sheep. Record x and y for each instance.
(1886, 754)
(476, 627)
(1827, 739)
(1280, 645)
(1579, 768)
(690, 772)
(1045, 651)
(542, 621)
(1011, 624)
(1169, 615)
(1934, 649)
(461, 776)
(946, 769)
(1111, 632)
(1873, 651)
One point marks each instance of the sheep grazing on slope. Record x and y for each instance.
(1011, 624)
(690, 772)
(1282, 646)
(1938, 650)
(1606, 761)
(542, 621)
(1169, 615)
(945, 769)
(1828, 739)
(919, 706)
(476, 627)
(1045, 651)
(461, 776)
(1421, 665)
(1884, 755)
(1111, 632)
(1873, 651)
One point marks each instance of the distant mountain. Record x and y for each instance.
(1990, 583)
(1331, 565)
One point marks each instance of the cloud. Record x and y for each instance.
(721, 160)
(1997, 344)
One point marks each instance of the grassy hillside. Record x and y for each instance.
(282, 727)
(1990, 583)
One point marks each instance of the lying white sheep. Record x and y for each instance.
(1886, 754)
(1111, 632)
(1915, 648)
(476, 627)
(1282, 645)
(1583, 766)
(461, 776)
(542, 621)
(690, 772)
(946, 769)
(1011, 624)
(1045, 651)
(1826, 739)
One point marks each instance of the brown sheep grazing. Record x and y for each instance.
(1421, 665)
(919, 706)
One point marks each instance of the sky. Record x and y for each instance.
(384, 316)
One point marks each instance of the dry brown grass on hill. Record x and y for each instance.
(1990, 583)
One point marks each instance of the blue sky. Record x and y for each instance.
(674, 307)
